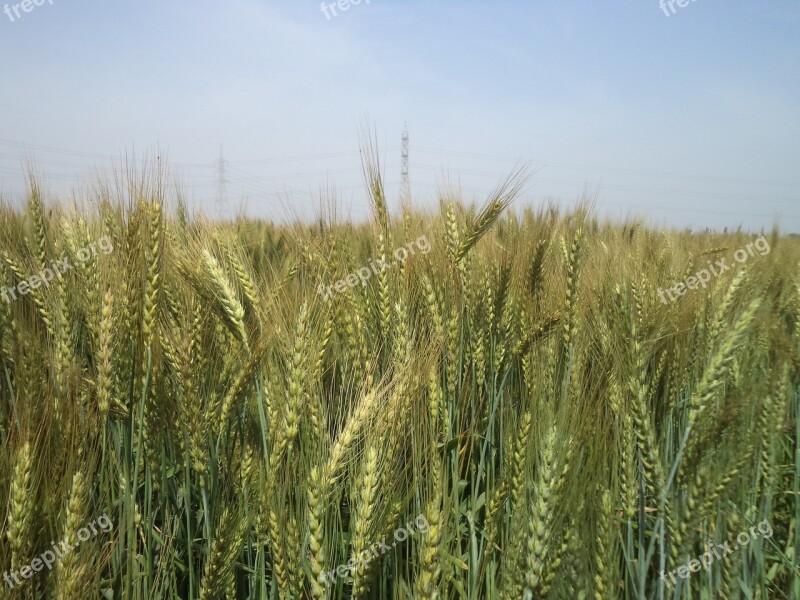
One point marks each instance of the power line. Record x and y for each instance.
(623, 188)
(261, 161)
(65, 159)
(565, 165)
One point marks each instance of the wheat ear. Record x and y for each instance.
(20, 514)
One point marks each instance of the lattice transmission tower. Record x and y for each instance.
(405, 186)
(221, 177)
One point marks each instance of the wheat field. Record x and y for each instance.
(511, 411)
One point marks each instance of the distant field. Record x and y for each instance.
(512, 406)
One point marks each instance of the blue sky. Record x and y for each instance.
(688, 120)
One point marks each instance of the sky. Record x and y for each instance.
(686, 117)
